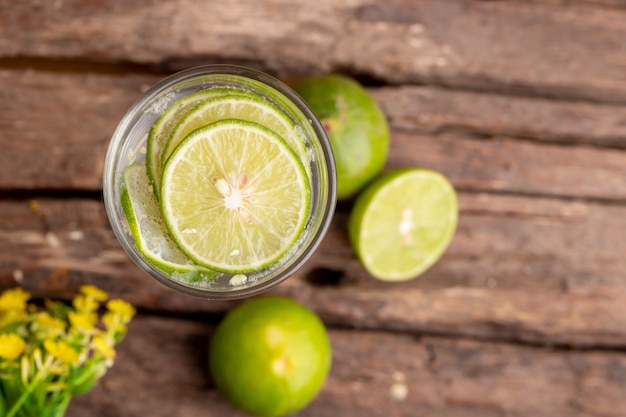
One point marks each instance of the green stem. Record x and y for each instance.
(58, 408)
(20, 401)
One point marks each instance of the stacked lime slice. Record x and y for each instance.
(226, 187)
(151, 236)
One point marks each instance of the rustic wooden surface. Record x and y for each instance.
(521, 104)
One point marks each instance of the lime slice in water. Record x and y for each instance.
(243, 107)
(403, 222)
(162, 129)
(149, 232)
(234, 196)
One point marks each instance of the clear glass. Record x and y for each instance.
(128, 146)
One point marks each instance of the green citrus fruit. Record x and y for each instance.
(270, 356)
(403, 222)
(355, 124)
(234, 196)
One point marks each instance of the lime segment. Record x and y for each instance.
(243, 107)
(162, 128)
(149, 232)
(234, 196)
(403, 222)
(165, 125)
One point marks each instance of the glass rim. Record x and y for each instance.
(119, 137)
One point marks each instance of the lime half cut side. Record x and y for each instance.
(403, 222)
(149, 232)
(234, 196)
(165, 125)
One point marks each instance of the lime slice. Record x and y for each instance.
(162, 129)
(403, 222)
(243, 107)
(234, 196)
(149, 232)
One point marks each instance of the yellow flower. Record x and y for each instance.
(61, 350)
(121, 307)
(109, 319)
(112, 321)
(44, 320)
(84, 321)
(46, 327)
(14, 299)
(85, 304)
(94, 292)
(11, 316)
(11, 346)
(103, 348)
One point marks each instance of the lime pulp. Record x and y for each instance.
(234, 196)
(403, 222)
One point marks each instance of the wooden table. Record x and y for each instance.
(521, 104)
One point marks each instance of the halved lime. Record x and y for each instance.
(163, 127)
(243, 107)
(149, 232)
(234, 196)
(403, 222)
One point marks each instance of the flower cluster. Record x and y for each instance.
(49, 355)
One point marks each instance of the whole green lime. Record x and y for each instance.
(270, 356)
(355, 124)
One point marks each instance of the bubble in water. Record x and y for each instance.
(238, 279)
(161, 104)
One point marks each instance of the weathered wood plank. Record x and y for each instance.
(576, 3)
(56, 130)
(543, 271)
(536, 270)
(88, 106)
(529, 316)
(439, 110)
(567, 52)
(509, 165)
(67, 120)
(161, 371)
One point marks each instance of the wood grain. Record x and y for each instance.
(161, 371)
(522, 104)
(521, 269)
(429, 109)
(513, 166)
(515, 47)
(67, 120)
(56, 131)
